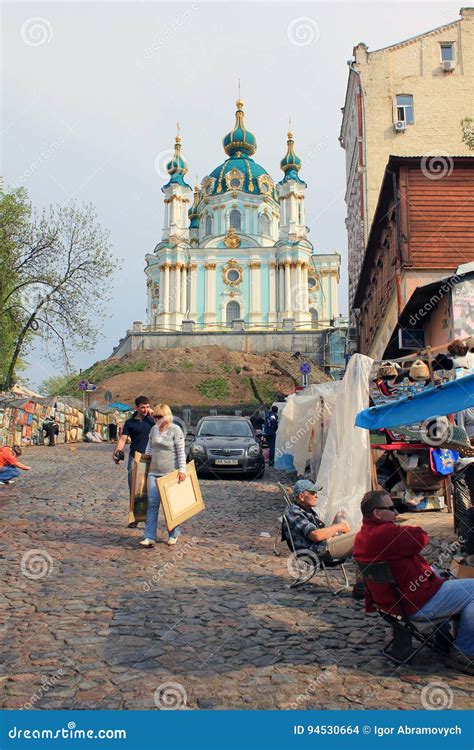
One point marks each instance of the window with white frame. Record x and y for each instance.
(447, 51)
(208, 225)
(235, 219)
(405, 109)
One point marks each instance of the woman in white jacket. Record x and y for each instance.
(166, 448)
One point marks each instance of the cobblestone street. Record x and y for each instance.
(92, 621)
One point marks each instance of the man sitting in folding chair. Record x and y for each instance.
(412, 590)
(308, 532)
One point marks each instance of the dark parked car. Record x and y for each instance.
(226, 445)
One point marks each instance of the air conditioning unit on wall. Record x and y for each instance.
(400, 126)
(448, 64)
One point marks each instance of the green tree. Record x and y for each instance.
(15, 213)
(61, 267)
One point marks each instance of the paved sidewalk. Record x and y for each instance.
(91, 620)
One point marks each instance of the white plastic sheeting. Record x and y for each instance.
(317, 428)
(302, 426)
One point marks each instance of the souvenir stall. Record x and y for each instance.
(21, 420)
(415, 442)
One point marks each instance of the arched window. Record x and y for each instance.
(232, 312)
(208, 225)
(314, 317)
(235, 219)
(264, 225)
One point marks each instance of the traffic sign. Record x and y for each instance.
(305, 368)
(83, 385)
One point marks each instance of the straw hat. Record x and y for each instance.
(470, 343)
(387, 370)
(419, 370)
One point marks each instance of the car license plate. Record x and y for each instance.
(227, 461)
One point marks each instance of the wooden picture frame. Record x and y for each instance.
(180, 500)
(138, 493)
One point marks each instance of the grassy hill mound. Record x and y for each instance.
(205, 376)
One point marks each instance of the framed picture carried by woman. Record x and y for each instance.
(181, 500)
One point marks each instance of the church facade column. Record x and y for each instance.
(281, 291)
(255, 314)
(334, 295)
(287, 309)
(193, 291)
(166, 290)
(184, 290)
(210, 307)
(272, 292)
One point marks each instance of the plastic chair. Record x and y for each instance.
(434, 634)
(307, 562)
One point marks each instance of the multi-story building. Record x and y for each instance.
(408, 99)
(415, 286)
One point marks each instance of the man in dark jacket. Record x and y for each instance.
(137, 428)
(270, 430)
(424, 595)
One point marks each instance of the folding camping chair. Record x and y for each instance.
(433, 634)
(307, 562)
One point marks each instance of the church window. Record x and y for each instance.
(232, 312)
(264, 225)
(233, 274)
(314, 316)
(312, 282)
(208, 225)
(235, 219)
(235, 182)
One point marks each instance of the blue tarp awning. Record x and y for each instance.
(437, 401)
(120, 407)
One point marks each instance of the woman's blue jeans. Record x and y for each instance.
(455, 597)
(153, 509)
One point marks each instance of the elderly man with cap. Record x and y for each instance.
(310, 532)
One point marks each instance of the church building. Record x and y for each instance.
(235, 253)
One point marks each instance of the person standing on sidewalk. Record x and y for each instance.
(166, 448)
(270, 431)
(137, 428)
(9, 464)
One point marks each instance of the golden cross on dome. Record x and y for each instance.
(239, 86)
(177, 128)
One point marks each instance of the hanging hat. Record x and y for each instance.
(458, 348)
(419, 370)
(387, 370)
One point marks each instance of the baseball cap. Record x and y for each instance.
(303, 485)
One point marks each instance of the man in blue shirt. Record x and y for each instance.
(137, 428)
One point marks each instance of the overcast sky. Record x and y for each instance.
(92, 93)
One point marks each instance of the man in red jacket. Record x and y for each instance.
(424, 595)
